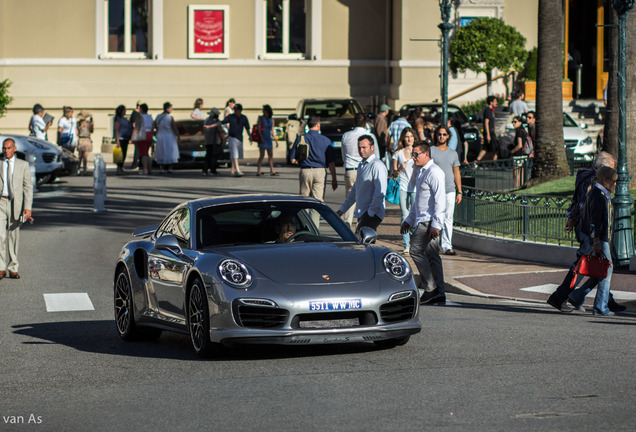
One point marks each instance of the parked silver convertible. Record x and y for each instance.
(262, 270)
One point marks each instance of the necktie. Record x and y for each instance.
(9, 180)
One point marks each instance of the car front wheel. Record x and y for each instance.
(124, 318)
(199, 320)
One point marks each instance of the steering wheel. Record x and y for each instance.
(297, 234)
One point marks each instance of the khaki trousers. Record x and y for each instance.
(312, 182)
(350, 179)
(9, 236)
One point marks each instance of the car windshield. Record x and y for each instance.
(189, 127)
(568, 121)
(269, 222)
(325, 109)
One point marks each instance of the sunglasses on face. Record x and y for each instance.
(415, 154)
(529, 117)
(442, 134)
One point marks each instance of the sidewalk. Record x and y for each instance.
(476, 274)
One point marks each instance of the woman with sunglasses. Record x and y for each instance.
(402, 171)
(447, 159)
(521, 138)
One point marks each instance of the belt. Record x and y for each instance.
(312, 168)
(351, 169)
(4, 196)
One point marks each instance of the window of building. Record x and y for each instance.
(286, 27)
(128, 26)
(129, 29)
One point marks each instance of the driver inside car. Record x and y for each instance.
(285, 228)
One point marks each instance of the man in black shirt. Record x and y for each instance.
(236, 122)
(490, 143)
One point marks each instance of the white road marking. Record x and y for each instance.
(549, 289)
(67, 302)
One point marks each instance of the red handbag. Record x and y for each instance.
(592, 266)
(254, 135)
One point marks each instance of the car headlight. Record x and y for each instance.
(470, 136)
(397, 267)
(585, 142)
(235, 273)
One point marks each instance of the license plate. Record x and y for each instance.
(335, 305)
(342, 323)
(198, 153)
(336, 143)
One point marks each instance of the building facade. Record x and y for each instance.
(97, 54)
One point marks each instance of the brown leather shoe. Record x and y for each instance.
(14, 275)
(2, 274)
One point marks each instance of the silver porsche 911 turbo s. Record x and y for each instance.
(262, 270)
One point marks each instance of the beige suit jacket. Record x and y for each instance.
(22, 186)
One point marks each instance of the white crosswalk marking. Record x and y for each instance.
(68, 302)
(549, 289)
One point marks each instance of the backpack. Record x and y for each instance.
(528, 147)
(302, 149)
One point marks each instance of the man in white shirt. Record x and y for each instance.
(427, 218)
(369, 189)
(351, 156)
(15, 202)
(38, 126)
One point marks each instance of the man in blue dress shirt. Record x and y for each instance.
(369, 189)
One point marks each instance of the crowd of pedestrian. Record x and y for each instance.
(422, 156)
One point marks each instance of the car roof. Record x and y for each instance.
(329, 99)
(428, 104)
(236, 199)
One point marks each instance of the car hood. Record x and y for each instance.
(311, 263)
(574, 133)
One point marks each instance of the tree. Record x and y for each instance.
(5, 99)
(549, 161)
(610, 129)
(486, 44)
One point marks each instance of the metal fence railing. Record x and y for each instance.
(499, 175)
(537, 218)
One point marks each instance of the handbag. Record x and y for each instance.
(139, 134)
(392, 194)
(118, 156)
(592, 266)
(66, 138)
(254, 135)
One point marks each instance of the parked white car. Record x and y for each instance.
(577, 139)
(48, 156)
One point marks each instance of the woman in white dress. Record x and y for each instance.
(167, 148)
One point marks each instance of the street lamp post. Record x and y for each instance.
(445, 27)
(623, 239)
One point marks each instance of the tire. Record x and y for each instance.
(392, 343)
(198, 320)
(124, 316)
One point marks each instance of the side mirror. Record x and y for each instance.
(293, 117)
(169, 243)
(368, 235)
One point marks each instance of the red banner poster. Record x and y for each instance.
(208, 31)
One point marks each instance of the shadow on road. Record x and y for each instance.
(100, 337)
